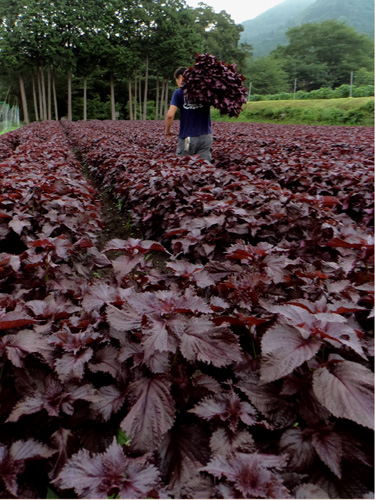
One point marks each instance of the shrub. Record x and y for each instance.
(256, 97)
(302, 94)
(364, 91)
(323, 93)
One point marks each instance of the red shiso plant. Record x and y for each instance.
(241, 368)
(210, 81)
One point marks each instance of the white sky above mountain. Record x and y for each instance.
(239, 10)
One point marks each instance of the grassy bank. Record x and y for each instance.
(8, 130)
(357, 111)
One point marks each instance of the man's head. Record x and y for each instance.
(178, 74)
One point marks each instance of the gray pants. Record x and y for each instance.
(200, 145)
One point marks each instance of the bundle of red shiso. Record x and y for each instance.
(213, 82)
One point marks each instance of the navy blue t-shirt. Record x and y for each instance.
(195, 118)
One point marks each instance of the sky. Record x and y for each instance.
(239, 10)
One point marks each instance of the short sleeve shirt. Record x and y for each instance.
(195, 118)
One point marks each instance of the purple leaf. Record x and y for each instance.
(23, 450)
(168, 302)
(133, 246)
(23, 343)
(106, 360)
(328, 446)
(72, 366)
(346, 389)
(298, 445)
(253, 475)
(125, 319)
(183, 450)
(124, 265)
(224, 442)
(310, 491)
(157, 338)
(284, 349)
(12, 461)
(14, 319)
(203, 341)
(227, 407)
(279, 410)
(51, 306)
(18, 224)
(108, 401)
(151, 414)
(101, 293)
(105, 474)
(51, 397)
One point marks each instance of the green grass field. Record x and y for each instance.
(348, 111)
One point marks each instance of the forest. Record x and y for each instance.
(115, 59)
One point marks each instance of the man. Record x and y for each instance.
(195, 136)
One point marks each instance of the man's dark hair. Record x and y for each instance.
(179, 71)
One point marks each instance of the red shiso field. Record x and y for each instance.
(225, 353)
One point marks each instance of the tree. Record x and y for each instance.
(54, 47)
(220, 35)
(175, 43)
(267, 76)
(23, 31)
(325, 53)
(363, 77)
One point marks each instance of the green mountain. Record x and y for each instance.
(267, 31)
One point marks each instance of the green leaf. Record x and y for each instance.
(122, 438)
(51, 494)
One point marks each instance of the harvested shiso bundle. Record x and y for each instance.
(213, 82)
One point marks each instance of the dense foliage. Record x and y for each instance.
(62, 46)
(341, 92)
(314, 55)
(324, 54)
(227, 354)
(112, 59)
(348, 112)
(210, 81)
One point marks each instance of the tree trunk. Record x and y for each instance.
(130, 99)
(157, 99)
(70, 96)
(135, 96)
(113, 107)
(140, 97)
(55, 98)
(49, 105)
(162, 99)
(24, 101)
(166, 97)
(43, 87)
(35, 100)
(40, 97)
(85, 99)
(145, 91)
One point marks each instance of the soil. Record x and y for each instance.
(117, 224)
(116, 221)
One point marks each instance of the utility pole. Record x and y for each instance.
(249, 94)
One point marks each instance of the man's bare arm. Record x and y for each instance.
(169, 119)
